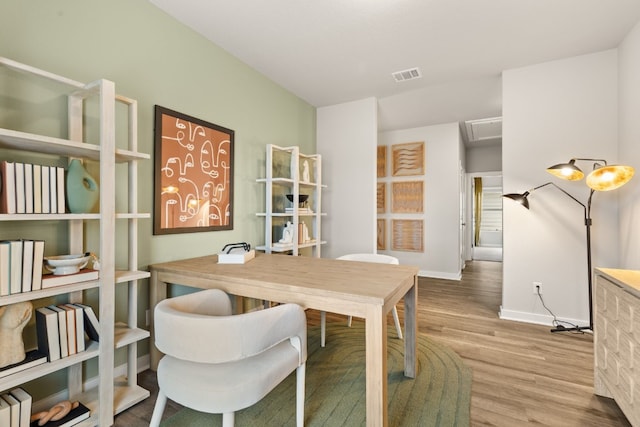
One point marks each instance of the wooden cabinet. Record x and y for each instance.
(298, 176)
(617, 339)
(94, 109)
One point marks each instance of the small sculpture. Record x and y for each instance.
(287, 233)
(57, 412)
(305, 171)
(13, 319)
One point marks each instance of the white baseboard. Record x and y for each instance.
(49, 401)
(440, 275)
(535, 318)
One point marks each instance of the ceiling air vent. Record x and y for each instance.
(404, 75)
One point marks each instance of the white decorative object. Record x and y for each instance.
(287, 233)
(65, 264)
(305, 171)
(13, 319)
(236, 256)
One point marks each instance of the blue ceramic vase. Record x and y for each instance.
(82, 189)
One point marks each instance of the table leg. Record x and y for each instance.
(157, 292)
(410, 334)
(376, 368)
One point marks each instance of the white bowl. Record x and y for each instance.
(65, 264)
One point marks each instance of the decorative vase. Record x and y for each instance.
(82, 189)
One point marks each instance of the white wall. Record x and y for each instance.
(629, 128)
(346, 139)
(553, 112)
(484, 159)
(442, 183)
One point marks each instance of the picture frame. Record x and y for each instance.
(408, 159)
(193, 176)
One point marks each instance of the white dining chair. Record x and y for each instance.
(220, 363)
(363, 257)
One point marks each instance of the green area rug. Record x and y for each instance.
(335, 387)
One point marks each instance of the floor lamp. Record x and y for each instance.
(603, 178)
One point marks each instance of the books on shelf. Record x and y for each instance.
(25, 401)
(14, 409)
(84, 275)
(33, 358)
(20, 266)
(300, 210)
(5, 413)
(91, 324)
(77, 414)
(48, 335)
(62, 330)
(27, 188)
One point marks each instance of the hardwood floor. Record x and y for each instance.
(522, 373)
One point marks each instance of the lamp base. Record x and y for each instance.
(561, 328)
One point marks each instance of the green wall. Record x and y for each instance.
(155, 60)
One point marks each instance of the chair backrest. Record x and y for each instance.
(365, 257)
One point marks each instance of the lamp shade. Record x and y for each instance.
(608, 178)
(567, 171)
(520, 198)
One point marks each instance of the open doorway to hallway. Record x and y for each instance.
(486, 217)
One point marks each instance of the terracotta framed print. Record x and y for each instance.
(407, 197)
(407, 235)
(193, 174)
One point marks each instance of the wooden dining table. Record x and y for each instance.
(360, 289)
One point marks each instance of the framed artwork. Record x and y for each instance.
(193, 174)
(407, 197)
(382, 234)
(407, 235)
(381, 196)
(408, 159)
(382, 161)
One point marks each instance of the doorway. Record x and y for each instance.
(486, 216)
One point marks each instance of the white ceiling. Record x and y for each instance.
(333, 51)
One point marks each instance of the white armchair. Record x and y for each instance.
(363, 257)
(216, 362)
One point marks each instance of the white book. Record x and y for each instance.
(25, 405)
(62, 329)
(14, 406)
(71, 329)
(46, 192)
(20, 194)
(38, 259)
(53, 189)
(79, 317)
(5, 268)
(47, 333)
(16, 267)
(28, 187)
(61, 190)
(8, 201)
(5, 413)
(27, 265)
(37, 189)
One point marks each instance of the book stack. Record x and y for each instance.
(301, 211)
(15, 408)
(28, 188)
(20, 266)
(61, 329)
(32, 358)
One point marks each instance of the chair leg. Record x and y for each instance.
(300, 390)
(323, 327)
(228, 419)
(349, 321)
(161, 401)
(397, 321)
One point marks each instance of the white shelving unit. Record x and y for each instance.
(285, 175)
(112, 395)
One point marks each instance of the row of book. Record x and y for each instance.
(61, 329)
(16, 406)
(29, 188)
(21, 268)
